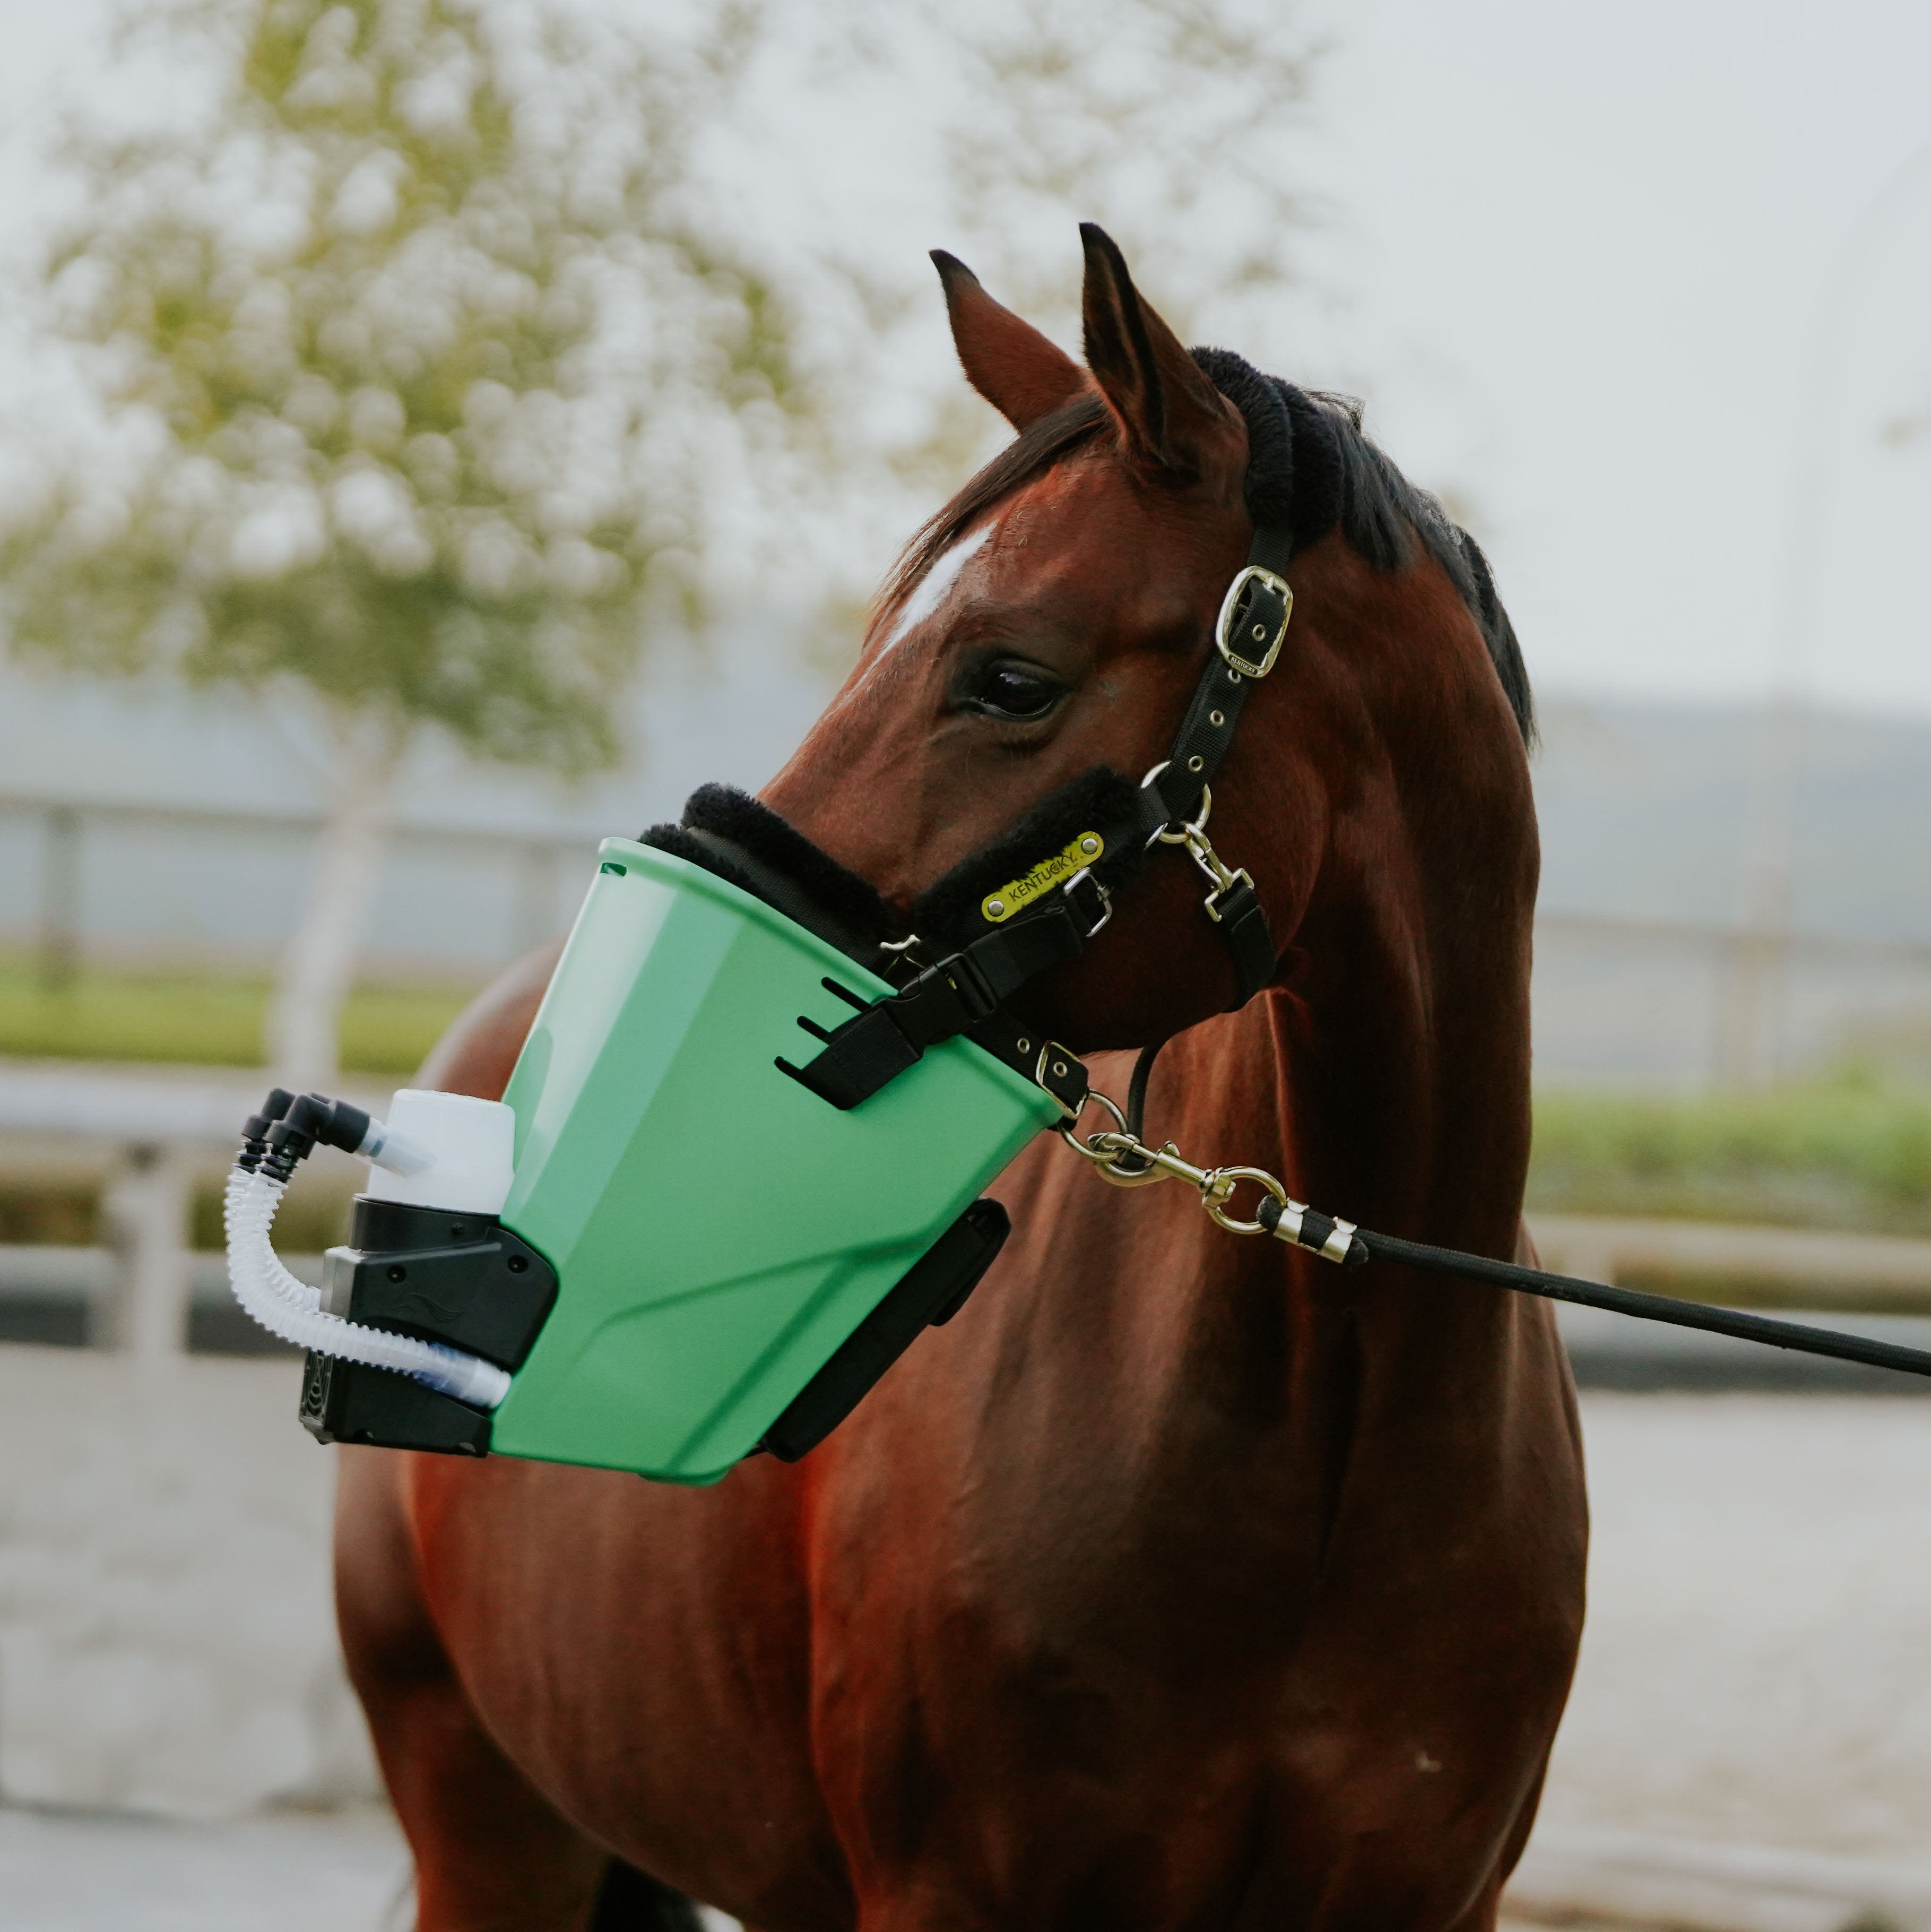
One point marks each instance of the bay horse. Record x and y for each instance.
(1181, 1581)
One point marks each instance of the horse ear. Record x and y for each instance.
(1022, 375)
(1171, 414)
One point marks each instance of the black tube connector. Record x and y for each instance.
(312, 1120)
(346, 1127)
(255, 1128)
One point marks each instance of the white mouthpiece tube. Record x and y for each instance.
(397, 1152)
(290, 1308)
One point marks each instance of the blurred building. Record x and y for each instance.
(144, 825)
(1641, 963)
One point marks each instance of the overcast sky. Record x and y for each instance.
(1587, 244)
(1577, 255)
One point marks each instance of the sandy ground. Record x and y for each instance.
(1749, 1745)
(167, 1638)
(340, 1871)
(1756, 1666)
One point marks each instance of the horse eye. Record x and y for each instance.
(1015, 692)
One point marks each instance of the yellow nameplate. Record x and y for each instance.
(1048, 873)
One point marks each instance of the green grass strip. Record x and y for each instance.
(205, 1020)
(1853, 1151)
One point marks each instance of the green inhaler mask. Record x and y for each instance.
(662, 1250)
(667, 1247)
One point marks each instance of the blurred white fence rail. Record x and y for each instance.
(1626, 1001)
(131, 879)
(147, 1139)
(1831, 1264)
(1653, 1002)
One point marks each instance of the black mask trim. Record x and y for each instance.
(750, 823)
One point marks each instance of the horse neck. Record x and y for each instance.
(1386, 1081)
(1402, 1069)
(1401, 1050)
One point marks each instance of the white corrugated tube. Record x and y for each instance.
(290, 1308)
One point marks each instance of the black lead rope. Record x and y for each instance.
(1367, 1247)
(1339, 1240)
(1356, 1247)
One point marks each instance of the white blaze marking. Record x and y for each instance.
(929, 593)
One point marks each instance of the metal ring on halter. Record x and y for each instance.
(1068, 1130)
(1104, 1158)
(1190, 830)
(1260, 1178)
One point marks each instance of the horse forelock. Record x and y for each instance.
(1311, 466)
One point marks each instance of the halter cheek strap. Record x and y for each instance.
(1248, 636)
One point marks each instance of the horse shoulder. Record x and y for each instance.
(476, 1055)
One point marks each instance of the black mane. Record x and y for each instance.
(1380, 506)
(1310, 465)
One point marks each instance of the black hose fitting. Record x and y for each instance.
(255, 1128)
(312, 1120)
(342, 1126)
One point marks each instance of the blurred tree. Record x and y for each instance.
(427, 374)
(1167, 122)
(1173, 123)
(415, 377)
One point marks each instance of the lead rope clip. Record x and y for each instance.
(1279, 1213)
(1192, 834)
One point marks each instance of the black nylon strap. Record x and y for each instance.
(1200, 744)
(962, 993)
(1244, 925)
(1272, 548)
(1207, 731)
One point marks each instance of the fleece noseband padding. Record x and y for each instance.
(738, 838)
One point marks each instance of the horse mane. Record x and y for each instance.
(1311, 465)
(1380, 508)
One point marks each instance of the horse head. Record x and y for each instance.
(1047, 628)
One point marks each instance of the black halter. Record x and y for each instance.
(1047, 914)
(1033, 898)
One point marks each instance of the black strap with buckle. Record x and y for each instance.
(1247, 639)
(963, 993)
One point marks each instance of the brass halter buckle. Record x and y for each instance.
(1252, 651)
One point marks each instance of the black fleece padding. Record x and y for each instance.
(1270, 433)
(747, 821)
(687, 846)
(1101, 800)
(1294, 469)
(1320, 472)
